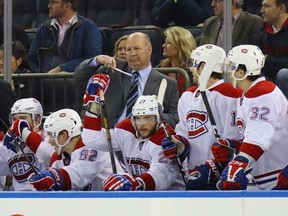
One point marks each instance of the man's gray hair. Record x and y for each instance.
(238, 3)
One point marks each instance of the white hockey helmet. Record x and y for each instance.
(250, 56)
(146, 105)
(28, 106)
(64, 119)
(204, 52)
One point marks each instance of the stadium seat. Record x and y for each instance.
(111, 12)
(23, 13)
(106, 36)
(156, 36)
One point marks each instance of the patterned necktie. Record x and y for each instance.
(133, 94)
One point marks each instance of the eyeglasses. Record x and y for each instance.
(52, 2)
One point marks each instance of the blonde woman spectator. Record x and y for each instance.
(179, 44)
(120, 47)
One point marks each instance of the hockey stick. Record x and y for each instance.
(203, 80)
(108, 135)
(17, 142)
(161, 93)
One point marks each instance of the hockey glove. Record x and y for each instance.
(177, 146)
(117, 182)
(234, 176)
(17, 128)
(204, 177)
(96, 82)
(14, 134)
(282, 183)
(223, 150)
(9, 142)
(48, 179)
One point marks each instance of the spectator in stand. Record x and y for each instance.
(272, 40)
(138, 53)
(180, 12)
(244, 25)
(178, 46)
(120, 47)
(17, 32)
(64, 41)
(20, 88)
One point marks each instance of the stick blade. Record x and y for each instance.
(208, 69)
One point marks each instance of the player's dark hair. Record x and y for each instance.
(250, 78)
(216, 75)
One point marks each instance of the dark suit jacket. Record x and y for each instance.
(7, 100)
(117, 93)
(243, 31)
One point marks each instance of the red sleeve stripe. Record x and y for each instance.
(92, 123)
(33, 141)
(66, 180)
(253, 150)
(148, 180)
(267, 174)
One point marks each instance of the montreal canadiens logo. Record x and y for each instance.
(196, 121)
(241, 127)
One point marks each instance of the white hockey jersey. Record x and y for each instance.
(194, 123)
(144, 158)
(85, 169)
(263, 121)
(15, 164)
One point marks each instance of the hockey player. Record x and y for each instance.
(73, 166)
(25, 113)
(195, 124)
(139, 138)
(263, 123)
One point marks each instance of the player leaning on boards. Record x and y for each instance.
(73, 166)
(139, 138)
(195, 120)
(26, 115)
(263, 123)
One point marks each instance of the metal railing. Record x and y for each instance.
(167, 70)
(54, 91)
(61, 90)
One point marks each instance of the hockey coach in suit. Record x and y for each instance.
(138, 52)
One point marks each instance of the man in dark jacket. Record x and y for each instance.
(272, 40)
(180, 12)
(64, 41)
(244, 25)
